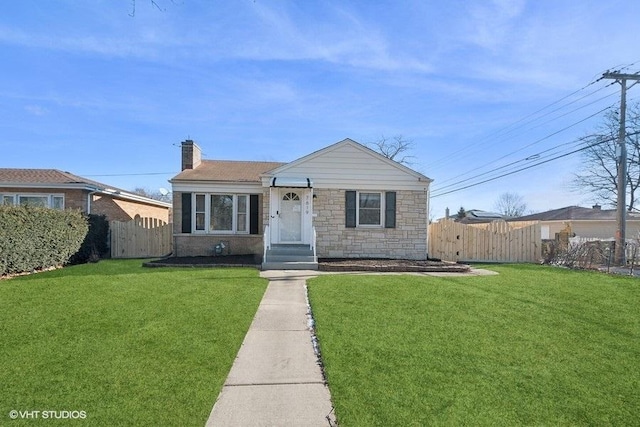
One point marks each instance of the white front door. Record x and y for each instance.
(290, 216)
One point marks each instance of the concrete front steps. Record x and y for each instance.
(289, 257)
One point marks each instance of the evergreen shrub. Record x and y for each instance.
(34, 238)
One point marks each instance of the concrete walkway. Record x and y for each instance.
(276, 379)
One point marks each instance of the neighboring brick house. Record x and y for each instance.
(343, 201)
(62, 190)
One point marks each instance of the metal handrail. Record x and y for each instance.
(313, 244)
(267, 242)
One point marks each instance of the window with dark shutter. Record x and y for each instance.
(390, 209)
(350, 209)
(186, 212)
(254, 214)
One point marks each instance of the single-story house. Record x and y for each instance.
(343, 201)
(56, 189)
(592, 223)
(477, 216)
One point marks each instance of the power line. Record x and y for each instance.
(546, 160)
(521, 169)
(131, 174)
(524, 121)
(520, 149)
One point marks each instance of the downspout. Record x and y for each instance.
(89, 196)
(92, 191)
(427, 216)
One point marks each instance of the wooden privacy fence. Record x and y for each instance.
(497, 241)
(140, 238)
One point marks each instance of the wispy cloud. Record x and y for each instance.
(36, 110)
(492, 23)
(338, 37)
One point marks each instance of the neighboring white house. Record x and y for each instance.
(343, 201)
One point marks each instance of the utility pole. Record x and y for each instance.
(621, 204)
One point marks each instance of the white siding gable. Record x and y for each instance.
(349, 165)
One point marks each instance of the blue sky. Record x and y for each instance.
(88, 88)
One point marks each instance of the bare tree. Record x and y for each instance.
(510, 204)
(153, 3)
(599, 169)
(394, 148)
(155, 195)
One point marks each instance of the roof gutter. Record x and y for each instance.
(132, 196)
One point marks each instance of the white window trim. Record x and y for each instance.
(382, 209)
(194, 213)
(49, 196)
(12, 196)
(207, 214)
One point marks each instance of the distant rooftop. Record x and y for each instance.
(575, 213)
(54, 178)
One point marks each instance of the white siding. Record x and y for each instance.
(348, 166)
(220, 187)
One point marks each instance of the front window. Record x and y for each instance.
(200, 212)
(221, 213)
(39, 201)
(243, 213)
(369, 208)
(57, 202)
(221, 218)
(53, 201)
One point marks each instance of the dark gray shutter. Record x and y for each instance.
(350, 209)
(254, 214)
(186, 212)
(390, 209)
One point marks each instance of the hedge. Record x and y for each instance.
(96, 243)
(34, 238)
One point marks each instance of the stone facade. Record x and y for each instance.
(407, 241)
(177, 214)
(204, 244)
(195, 244)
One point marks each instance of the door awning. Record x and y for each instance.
(292, 182)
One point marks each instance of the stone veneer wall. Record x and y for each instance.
(407, 241)
(193, 244)
(204, 244)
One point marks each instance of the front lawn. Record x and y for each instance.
(530, 346)
(125, 344)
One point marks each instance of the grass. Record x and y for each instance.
(530, 346)
(127, 345)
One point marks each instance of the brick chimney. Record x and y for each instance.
(191, 155)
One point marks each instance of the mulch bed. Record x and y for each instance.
(390, 265)
(324, 264)
(207, 261)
